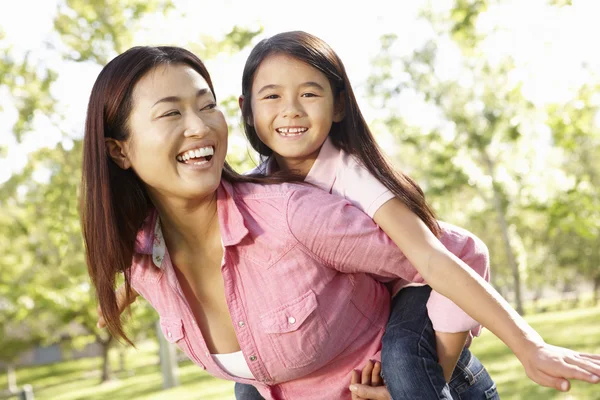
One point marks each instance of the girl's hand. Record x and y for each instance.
(371, 385)
(553, 366)
(123, 301)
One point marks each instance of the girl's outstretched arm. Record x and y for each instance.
(448, 275)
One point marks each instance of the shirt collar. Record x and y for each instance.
(324, 170)
(150, 238)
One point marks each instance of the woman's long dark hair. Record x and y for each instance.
(114, 202)
(352, 134)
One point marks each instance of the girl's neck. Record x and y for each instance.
(300, 166)
(187, 225)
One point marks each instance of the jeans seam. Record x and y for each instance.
(424, 362)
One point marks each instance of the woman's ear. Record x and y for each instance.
(339, 108)
(248, 120)
(116, 151)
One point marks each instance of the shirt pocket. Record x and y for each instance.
(172, 329)
(297, 331)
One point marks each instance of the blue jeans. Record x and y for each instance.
(409, 359)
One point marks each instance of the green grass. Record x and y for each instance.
(578, 329)
(79, 380)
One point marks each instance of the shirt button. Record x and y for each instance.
(241, 324)
(169, 334)
(252, 358)
(292, 320)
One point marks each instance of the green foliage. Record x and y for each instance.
(98, 30)
(238, 38)
(28, 84)
(481, 162)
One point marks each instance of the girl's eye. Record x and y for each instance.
(170, 113)
(272, 96)
(309, 95)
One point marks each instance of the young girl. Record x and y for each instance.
(300, 114)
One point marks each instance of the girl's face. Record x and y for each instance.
(293, 108)
(178, 138)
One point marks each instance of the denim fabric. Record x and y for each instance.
(409, 357)
(246, 392)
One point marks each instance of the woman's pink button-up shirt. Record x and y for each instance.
(302, 271)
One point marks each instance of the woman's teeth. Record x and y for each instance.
(291, 131)
(199, 154)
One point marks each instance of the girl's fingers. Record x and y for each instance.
(544, 379)
(376, 375)
(589, 356)
(582, 369)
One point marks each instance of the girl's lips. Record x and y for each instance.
(292, 131)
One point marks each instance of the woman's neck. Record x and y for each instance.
(189, 225)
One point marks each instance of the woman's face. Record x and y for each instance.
(178, 138)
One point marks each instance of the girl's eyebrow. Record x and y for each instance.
(175, 99)
(305, 84)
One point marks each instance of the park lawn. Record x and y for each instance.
(579, 328)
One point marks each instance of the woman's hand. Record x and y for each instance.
(367, 384)
(124, 300)
(554, 366)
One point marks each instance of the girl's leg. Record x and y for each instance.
(409, 359)
(471, 381)
(246, 392)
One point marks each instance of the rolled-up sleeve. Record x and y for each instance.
(444, 314)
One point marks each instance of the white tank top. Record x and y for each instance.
(234, 364)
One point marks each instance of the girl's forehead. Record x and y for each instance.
(287, 67)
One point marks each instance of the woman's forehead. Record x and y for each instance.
(171, 80)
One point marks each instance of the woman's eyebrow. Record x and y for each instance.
(175, 99)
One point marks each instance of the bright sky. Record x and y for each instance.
(549, 45)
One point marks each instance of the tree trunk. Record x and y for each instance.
(596, 290)
(168, 360)
(11, 377)
(510, 256)
(122, 358)
(106, 371)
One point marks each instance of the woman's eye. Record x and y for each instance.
(210, 106)
(171, 113)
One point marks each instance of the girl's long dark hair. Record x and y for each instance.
(114, 202)
(352, 134)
